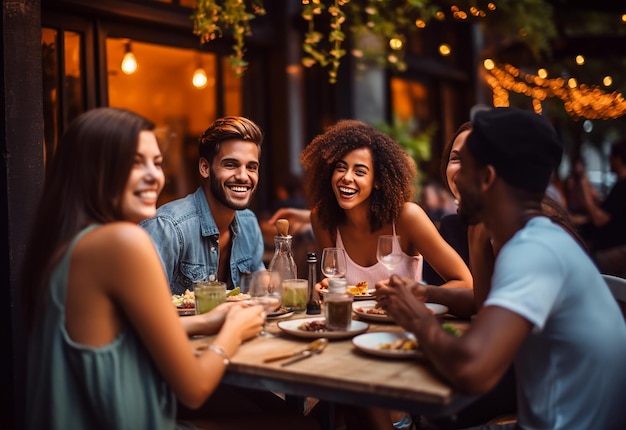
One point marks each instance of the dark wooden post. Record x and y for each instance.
(21, 181)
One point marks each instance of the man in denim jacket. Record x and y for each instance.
(211, 233)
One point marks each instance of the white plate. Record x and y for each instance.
(368, 296)
(370, 343)
(279, 316)
(279, 312)
(365, 306)
(437, 309)
(291, 327)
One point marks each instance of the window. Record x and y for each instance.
(161, 89)
(63, 83)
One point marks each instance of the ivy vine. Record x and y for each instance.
(389, 21)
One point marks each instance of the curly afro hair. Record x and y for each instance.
(393, 173)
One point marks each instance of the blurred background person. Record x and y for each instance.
(606, 230)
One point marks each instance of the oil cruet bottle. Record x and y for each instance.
(313, 306)
(338, 305)
(282, 261)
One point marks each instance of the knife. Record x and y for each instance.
(280, 356)
(320, 344)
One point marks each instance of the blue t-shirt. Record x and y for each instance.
(571, 370)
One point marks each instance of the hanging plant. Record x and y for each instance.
(212, 17)
(389, 22)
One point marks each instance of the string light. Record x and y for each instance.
(395, 44)
(579, 100)
(444, 50)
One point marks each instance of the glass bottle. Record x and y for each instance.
(313, 304)
(338, 305)
(282, 261)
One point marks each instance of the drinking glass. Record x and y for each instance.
(388, 251)
(266, 290)
(334, 262)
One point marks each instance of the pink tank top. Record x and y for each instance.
(410, 267)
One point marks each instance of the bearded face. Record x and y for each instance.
(234, 173)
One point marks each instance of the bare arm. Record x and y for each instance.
(424, 238)
(459, 301)
(135, 273)
(474, 362)
(299, 219)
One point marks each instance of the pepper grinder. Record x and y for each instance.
(313, 306)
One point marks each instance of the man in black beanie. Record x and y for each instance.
(548, 308)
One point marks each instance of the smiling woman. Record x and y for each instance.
(370, 177)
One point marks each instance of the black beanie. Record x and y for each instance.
(522, 146)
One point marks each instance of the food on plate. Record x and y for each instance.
(188, 299)
(371, 311)
(280, 311)
(234, 292)
(451, 329)
(360, 289)
(401, 344)
(184, 301)
(318, 325)
(238, 297)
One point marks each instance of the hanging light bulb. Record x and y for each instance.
(200, 79)
(129, 62)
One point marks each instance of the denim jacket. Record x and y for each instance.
(186, 237)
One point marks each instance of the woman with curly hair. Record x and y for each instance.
(358, 184)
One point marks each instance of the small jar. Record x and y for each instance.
(338, 305)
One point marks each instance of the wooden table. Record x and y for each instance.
(343, 374)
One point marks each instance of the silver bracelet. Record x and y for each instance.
(219, 351)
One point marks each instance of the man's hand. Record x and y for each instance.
(403, 299)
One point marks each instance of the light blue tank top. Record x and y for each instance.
(410, 267)
(74, 386)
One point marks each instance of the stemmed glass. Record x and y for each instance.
(388, 251)
(334, 262)
(266, 290)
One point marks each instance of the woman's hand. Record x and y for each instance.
(244, 321)
(209, 322)
(217, 315)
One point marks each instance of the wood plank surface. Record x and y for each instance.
(339, 367)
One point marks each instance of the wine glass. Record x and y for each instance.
(266, 290)
(388, 251)
(334, 262)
